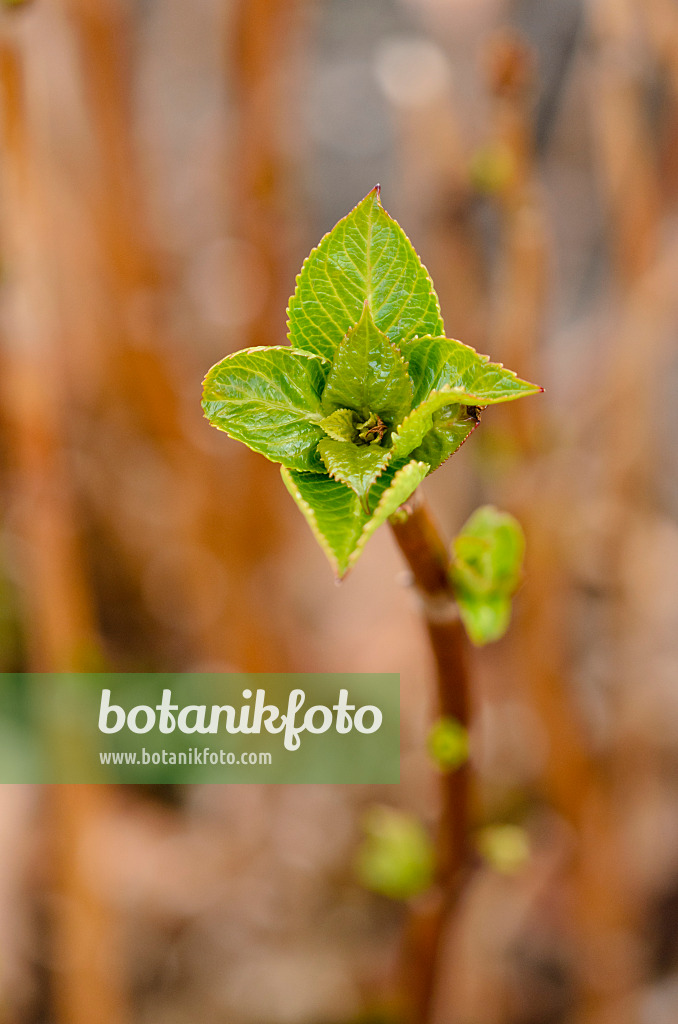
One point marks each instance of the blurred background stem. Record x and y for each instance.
(57, 599)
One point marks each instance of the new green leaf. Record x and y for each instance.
(471, 379)
(368, 374)
(269, 398)
(401, 487)
(451, 426)
(366, 258)
(415, 427)
(341, 425)
(332, 510)
(358, 466)
(336, 516)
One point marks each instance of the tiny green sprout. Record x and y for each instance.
(487, 559)
(397, 857)
(506, 848)
(448, 744)
(370, 396)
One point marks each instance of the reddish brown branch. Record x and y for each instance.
(426, 554)
(424, 551)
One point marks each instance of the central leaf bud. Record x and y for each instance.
(372, 431)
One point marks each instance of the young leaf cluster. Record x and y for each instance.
(486, 571)
(370, 396)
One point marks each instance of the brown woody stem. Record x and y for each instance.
(428, 558)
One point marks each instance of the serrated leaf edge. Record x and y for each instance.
(423, 266)
(376, 192)
(308, 512)
(459, 446)
(263, 348)
(311, 417)
(466, 397)
(335, 436)
(334, 474)
(397, 352)
(403, 362)
(396, 434)
(372, 524)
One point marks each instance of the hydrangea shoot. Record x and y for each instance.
(370, 396)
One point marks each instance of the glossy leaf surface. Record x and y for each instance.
(471, 379)
(367, 257)
(368, 374)
(438, 412)
(269, 398)
(357, 466)
(336, 516)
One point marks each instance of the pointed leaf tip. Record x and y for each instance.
(365, 257)
(335, 513)
(437, 364)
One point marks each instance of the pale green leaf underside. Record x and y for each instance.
(368, 374)
(269, 398)
(340, 425)
(404, 484)
(357, 466)
(437, 363)
(335, 515)
(451, 427)
(414, 427)
(366, 258)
